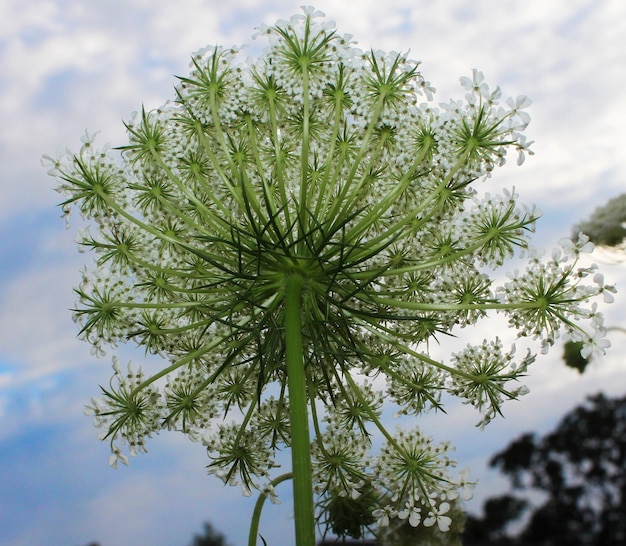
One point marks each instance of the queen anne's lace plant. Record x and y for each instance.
(290, 226)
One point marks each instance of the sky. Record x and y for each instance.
(67, 66)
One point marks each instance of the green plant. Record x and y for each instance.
(290, 229)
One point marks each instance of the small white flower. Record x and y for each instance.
(88, 140)
(412, 513)
(476, 83)
(383, 515)
(467, 487)
(117, 457)
(607, 291)
(54, 164)
(594, 347)
(439, 517)
(270, 491)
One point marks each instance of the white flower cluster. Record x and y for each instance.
(330, 165)
(483, 372)
(416, 472)
(126, 414)
(551, 297)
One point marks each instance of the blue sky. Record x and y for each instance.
(71, 65)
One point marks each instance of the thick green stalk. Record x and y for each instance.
(298, 415)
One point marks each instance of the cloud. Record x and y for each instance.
(79, 68)
(65, 493)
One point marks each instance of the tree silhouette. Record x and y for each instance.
(211, 537)
(491, 528)
(607, 224)
(580, 472)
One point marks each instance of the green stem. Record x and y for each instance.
(339, 202)
(323, 195)
(280, 166)
(304, 153)
(304, 516)
(258, 507)
(370, 412)
(420, 306)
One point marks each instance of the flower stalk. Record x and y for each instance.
(258, 507)
(304, 513)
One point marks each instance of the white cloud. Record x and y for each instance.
(119, 54)
(35, 324)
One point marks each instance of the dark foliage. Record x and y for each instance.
(579, 468)
(607, 224)
(572, 356)
(348, 517)
(490, 529)
(211, 537)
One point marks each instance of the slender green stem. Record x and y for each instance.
(279, 162)
(316, 429)
(268, 192)
(420, 306)
(339, 202)
(323, 195)
(258, 507)
(372, 414)
(304, 153)
(298, 415)
(217, 223)
(421, 356)
(215, 342)
(179, 363)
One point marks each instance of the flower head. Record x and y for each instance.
(323, 169)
